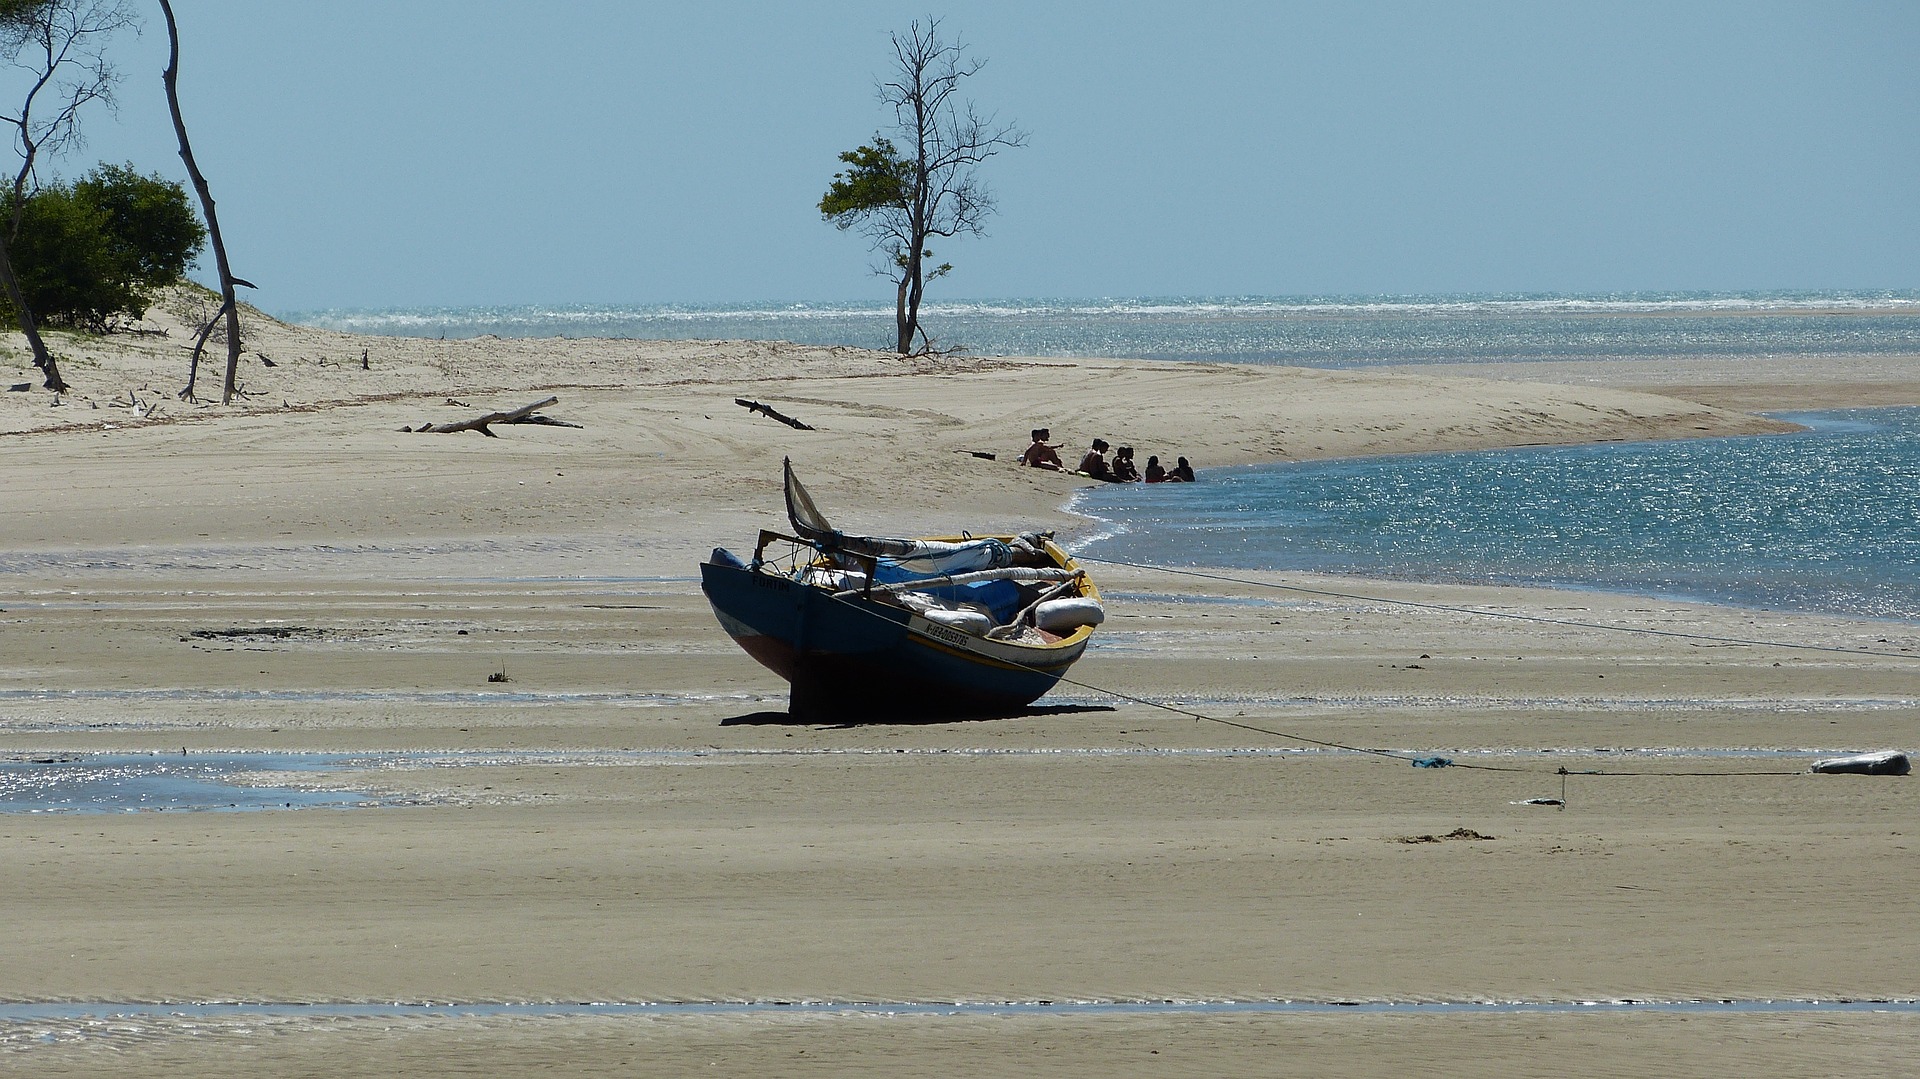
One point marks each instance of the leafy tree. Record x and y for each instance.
(902, 198)
(148, 220)
(61, 45)
(90, 253)
(64, 261)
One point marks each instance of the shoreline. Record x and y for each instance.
(1097, 848)
(1111, 531)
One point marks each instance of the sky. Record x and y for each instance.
(386, 153)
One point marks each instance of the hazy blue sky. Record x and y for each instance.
(406, 152)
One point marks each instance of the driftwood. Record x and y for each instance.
(771, 412)
(523, 414)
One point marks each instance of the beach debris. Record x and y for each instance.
(1886, 762)
(278, 633)
(483, 424)
(141, 409)
(252, 638)
(772, 413)
(1457, 833)
(1432, 762)
(1539, 802)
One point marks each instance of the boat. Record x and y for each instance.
(869, 626)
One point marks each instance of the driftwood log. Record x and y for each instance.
(482, 424)
(770, 411)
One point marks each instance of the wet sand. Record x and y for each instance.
(1095, 849)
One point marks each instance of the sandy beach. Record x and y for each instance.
(631, 818)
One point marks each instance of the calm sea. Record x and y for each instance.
(1298, 331)
(1827, 520)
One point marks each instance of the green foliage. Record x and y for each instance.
(64, 261)
(878, 180)
(150, 225)
(19, 12)
(90, 253)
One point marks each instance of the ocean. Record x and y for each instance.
(1828, 520)
(1295, 331)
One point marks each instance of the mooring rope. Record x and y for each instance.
(1431, 761)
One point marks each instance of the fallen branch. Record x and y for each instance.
(771, 412)
(523, 414)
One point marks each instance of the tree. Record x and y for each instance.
(93, 251)
(928, 185)
(61, 44)
(229, 307)
(153, 229)
(63, 261)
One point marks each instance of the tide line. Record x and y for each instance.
(82, 1011)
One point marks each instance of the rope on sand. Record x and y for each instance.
(1421, 762)
(1418, 762)
(1437, 761)
(1445, 762)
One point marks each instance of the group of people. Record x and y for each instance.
(1122, 469)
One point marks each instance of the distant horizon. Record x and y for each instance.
(1309, 331)
(883, 303)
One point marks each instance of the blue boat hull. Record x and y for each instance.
(851, 656)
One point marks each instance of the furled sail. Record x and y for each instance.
(914, 556)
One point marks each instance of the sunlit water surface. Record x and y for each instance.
(1826, 520)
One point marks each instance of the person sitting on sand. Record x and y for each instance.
(1095, 462)
(1123, 467)
(1182, 472)
(1155, 474)
(1041, 454)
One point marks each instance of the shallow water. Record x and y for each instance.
(70, 783)
(107, 1011)
(372, 696)
(1827, 520)
(147, 782)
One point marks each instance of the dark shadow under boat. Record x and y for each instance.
(850, 719)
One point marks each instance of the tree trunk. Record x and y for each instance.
(910, 326)
(912, 288)
(41, 357)
(902, 325)
(171, 78)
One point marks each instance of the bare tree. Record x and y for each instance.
(928, 185)
(61, 45)
(228, 307)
